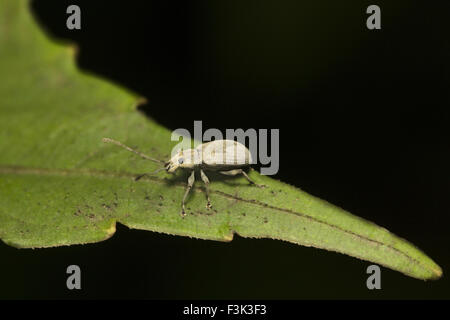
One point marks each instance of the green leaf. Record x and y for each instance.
(61, 185)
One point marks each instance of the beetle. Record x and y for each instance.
(227, 157)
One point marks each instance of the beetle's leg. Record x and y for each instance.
(148, 173)
(206, 181)
(251, 181)
(235, 172)
(191, 181)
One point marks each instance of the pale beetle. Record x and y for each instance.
(227, 157)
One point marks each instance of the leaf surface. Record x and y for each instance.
(61, 185)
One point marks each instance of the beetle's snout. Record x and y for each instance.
(170, 167)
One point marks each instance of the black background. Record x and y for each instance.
(363, 118)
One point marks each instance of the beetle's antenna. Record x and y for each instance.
(132, 150)
(147, 174)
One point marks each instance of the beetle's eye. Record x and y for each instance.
(180, 161)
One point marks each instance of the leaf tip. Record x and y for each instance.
(437, 273)
(228, 237)
(73, 50)
(111, 230)
(140, 101)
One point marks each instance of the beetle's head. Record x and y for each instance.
(182, 159)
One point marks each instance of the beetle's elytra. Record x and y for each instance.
(227, 157)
